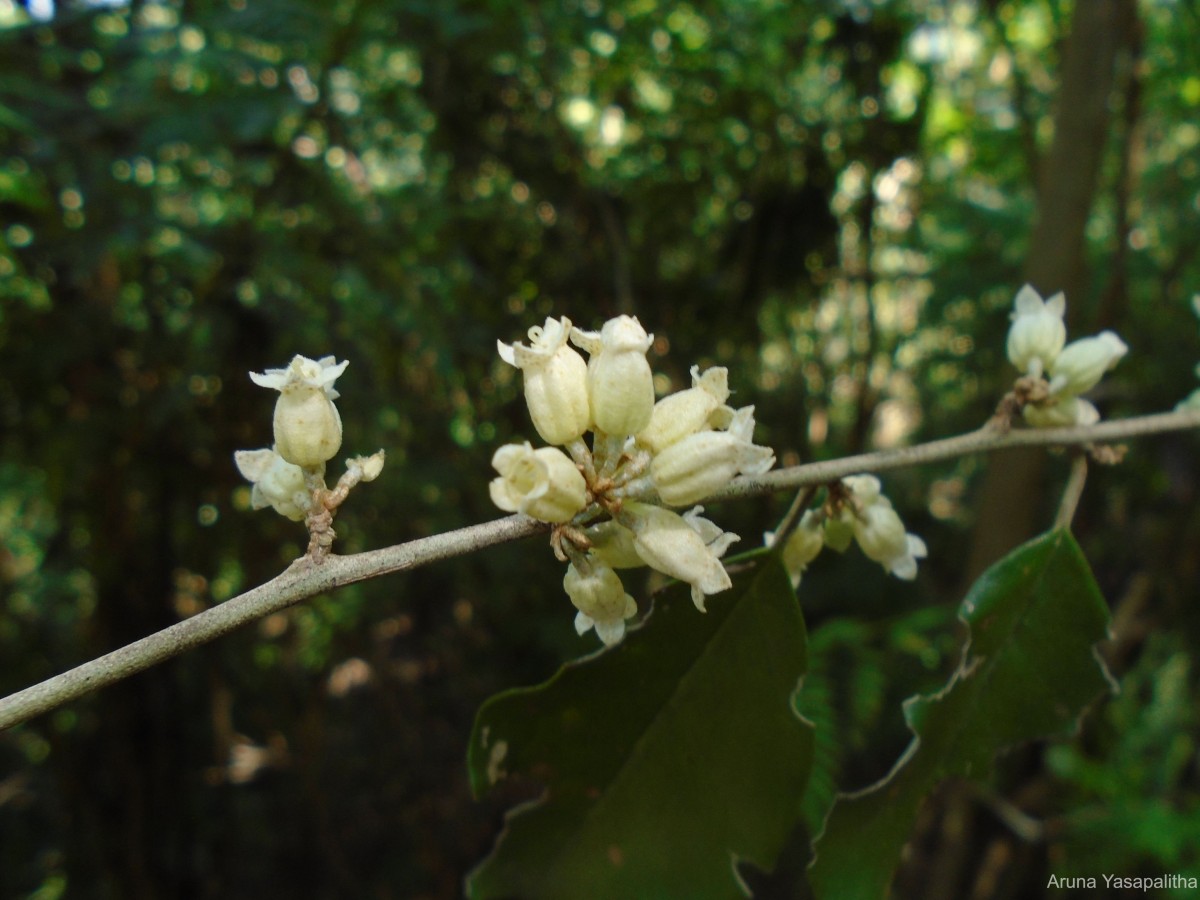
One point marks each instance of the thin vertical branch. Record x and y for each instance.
(1072, 492)
(792, 517)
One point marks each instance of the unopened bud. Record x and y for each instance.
(555, 378)
(1083, 363)
(685, 412)
(277, 483)
(1065, 413)
(1037, 333)
(601, 600)
(666, 542)
(620, 383)
(308, 429)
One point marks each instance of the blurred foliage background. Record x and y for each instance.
(835, 199)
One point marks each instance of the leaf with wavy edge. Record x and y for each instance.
(1028, 671)
(665, 760)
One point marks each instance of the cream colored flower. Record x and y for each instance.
(620, 383)
(676, 547)
(683, 413)
(277, 483)
(803, 545)
(1038, 332)
(1082, 363)
(308, 429)
(601, 601)
(556, 381)
(1062, 413)
(879, 531)
(702, 463)
(541, 483)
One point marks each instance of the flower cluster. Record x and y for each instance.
(290, 476)
(1056, 372)
(855, 510)
(609, 500)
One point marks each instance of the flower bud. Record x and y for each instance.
(905, 567)
(880, 533)
(865, 491)
(369, 467)
(541, 483)
(308, 429)
(277, 483)
(1037, 333)
(601, 600)
(803, 545)
(669, 544)
(1065, 413)
(620, 384)
(685, 412)
(703, 463)
(1082, 363)
(881, 536)
(555, 377)
(839, 531)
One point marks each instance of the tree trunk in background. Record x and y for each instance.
(1013, 486)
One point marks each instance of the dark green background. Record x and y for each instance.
(833, 199)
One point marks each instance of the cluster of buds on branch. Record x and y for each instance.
(609, 501)
(1055, 373)
(855, 509)
(613, 500)
(290, 476)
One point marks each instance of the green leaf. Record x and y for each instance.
(665, 759)
(1028, 671)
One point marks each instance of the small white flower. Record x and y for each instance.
(1062, 414)
(1037, 333)
(308, 429)
(839, 528)
(673, 546)
(1082, 363)
(803, 545)
(541, 483)
(620, 383)
(320, 373)
(839, 531)
(678, 415)
(277, 483)
(904, 567)
(879, 531)
(601, 600)
(555, 377)
(703, 463)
